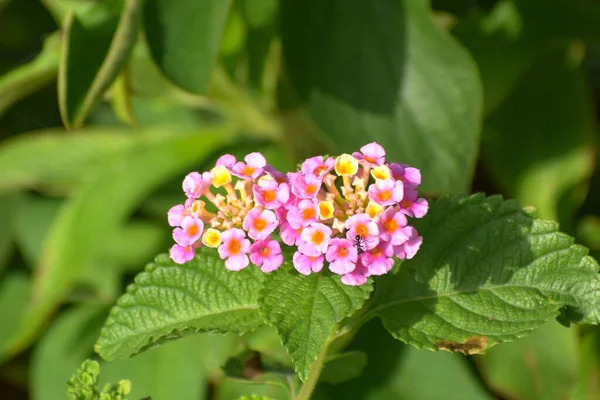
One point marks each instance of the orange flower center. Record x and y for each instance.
(362, 230)
(376, 252)
(386, 195)
(311, 189)
(248, 170)
(405, 203)
(320, 170)
(265, 251)
(390, 225)
(193, 230)
(369, 159)
(317, 237)
(308, 213)
(260, 224)
(234, 246)
(342, 251)
(270, 195)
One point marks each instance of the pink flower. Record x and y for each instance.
(194, 184)
(379, 260)
(357, 277)
(175, 215)
(342, 256)
(234, 248)
(303, 214)
(279, 176)
(181, 254)
(305, 186)
(317, 166)
(307, 264)
(386, 192)
(252, 168)
(362, 225)
(260, 223)
(410, 176)
(226, 160)
(413, 206)
(392, 225)
(409, 249)
(190, 231)
(372, 153)
(266, 254)
(314, 239)
(271, 195)
(288, 234)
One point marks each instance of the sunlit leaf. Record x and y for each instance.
(305, 309)
(171, 300)
(487, 272)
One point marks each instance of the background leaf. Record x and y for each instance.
(525, 146)
(101, 52)
(544, 365)
(397, 371)
(305, 309)
(487, 273)
(184, 37)
(363, 80)
(206, 296)
(97, 209)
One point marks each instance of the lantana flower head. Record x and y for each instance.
(351, 211)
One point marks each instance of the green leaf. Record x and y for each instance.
(487, 272)
(343, 367)
(30, 77)
(170, 300)
(9, 206)
(32, 221)
(525, 146)
(58, 160)
(587, 385)
(506, 41)
(184, 38)
(266, 341)
(98, 208)
(400, 372)
(103, 56)
(172, 371)
(383, 71)
(269, 385)
(15, 289)
(543, 365)
(68, 342)
(177, 370)
(305, 309)
(135, 244)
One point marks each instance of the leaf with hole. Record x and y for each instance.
(487, 272)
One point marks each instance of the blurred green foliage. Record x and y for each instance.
(106, 105)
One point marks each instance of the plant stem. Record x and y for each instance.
(315, 371)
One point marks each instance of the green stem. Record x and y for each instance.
(315, 371)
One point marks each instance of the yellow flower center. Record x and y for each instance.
(211, 238)
(220, 176)
(346, 165)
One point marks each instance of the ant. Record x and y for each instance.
(359, 242)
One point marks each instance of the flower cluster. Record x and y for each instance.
(350, 211)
